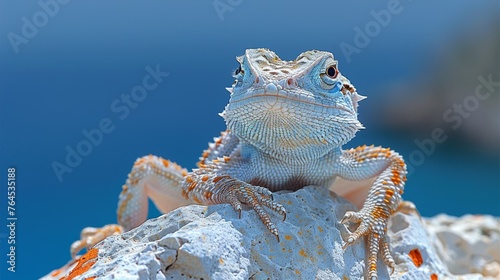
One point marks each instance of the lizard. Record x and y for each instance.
(286, 124)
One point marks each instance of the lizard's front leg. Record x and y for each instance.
(383, 198)
(211, 184)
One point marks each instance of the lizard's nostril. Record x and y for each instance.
(271, 88)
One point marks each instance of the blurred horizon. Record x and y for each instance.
(420, 64)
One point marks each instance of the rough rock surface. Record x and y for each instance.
(467, 244)
(197, 242)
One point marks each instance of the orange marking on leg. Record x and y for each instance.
(217, 179)
(378, 212)
(395, 177)
(191, 186)
(204, 178)
(204, 157)
(184, 173)
(195, 199)
(189, 179)
(388, 194)
(165, 162)
(208, 195)
(226, 159)
(122, 207)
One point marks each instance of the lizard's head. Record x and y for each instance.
(304, 103)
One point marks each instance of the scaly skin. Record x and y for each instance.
(286, 121)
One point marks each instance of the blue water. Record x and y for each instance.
(65, 78)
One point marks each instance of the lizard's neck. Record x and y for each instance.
(285, 147)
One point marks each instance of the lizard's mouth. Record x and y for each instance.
(274, 98)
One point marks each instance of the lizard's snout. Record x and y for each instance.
(271, 88)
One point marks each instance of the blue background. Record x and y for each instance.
(64, 79)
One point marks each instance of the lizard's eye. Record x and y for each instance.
(332, 72)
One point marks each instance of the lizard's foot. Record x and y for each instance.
(374, 225)
(91, 236)
(256, 197)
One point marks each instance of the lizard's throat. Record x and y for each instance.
(295, 130)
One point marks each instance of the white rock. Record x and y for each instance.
(470, 244)
(197, 242)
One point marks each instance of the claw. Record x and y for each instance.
(356, 235)
(350, 216)
(255, 197)
(349, 242)
(345, 218)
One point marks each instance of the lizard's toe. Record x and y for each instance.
(256, 197)
(374, 241)
(91, 236)
(361, 231)
(386, 254)
(375, 230)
